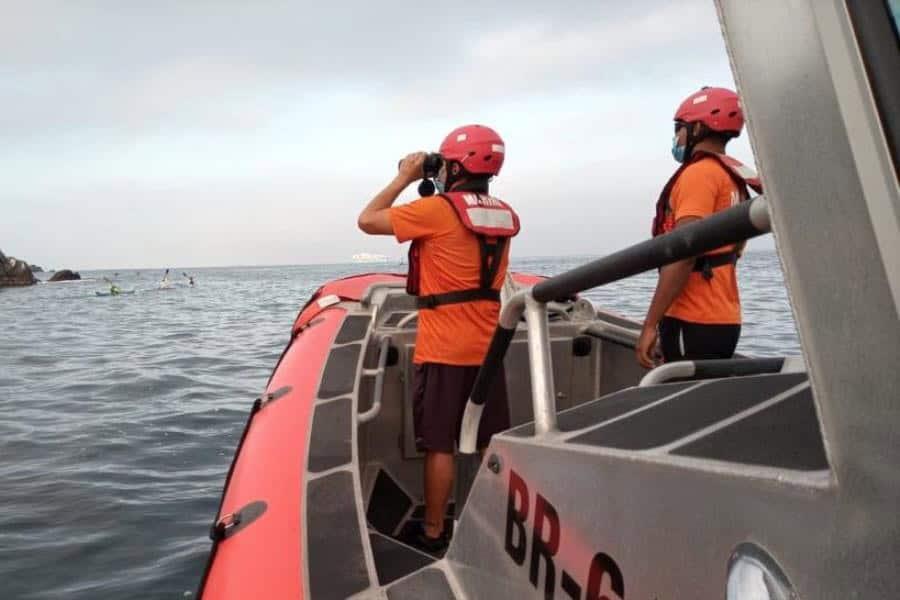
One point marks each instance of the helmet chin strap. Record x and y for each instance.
(691, 140)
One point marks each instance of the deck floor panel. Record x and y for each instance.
(689, 412)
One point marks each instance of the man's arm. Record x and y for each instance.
(375, 218)
(672, 279)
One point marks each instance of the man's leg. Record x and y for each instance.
(671, 339)
(439, 468)
(433, 416)
(705, 342)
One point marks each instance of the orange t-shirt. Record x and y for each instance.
(450, 258)
(702, 189)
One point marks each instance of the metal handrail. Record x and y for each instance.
(714, 369)
(731, 226)
(372, 412)
(510, 313)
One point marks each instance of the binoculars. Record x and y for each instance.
(431, 166)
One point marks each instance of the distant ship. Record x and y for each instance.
(365, 257)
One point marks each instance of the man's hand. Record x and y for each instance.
(646, 347)
(412, 167)
(375, 219)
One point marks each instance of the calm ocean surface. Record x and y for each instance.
(119, 416)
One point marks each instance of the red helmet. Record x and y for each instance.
(717, 108)
(479, 149)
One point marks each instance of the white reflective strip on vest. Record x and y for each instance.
(487, 217)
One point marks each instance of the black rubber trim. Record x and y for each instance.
(430, 583)
(705, 405)
(736, 367)
(725, 227)
(353, 329)
(394, 560)
(330, 440)
(877, 37)
(340, 371)
(785, 436)
(335, 555)
(388, 504)
(493, 360)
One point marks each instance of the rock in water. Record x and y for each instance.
(36, 269)
(15, 272)
(65, 275)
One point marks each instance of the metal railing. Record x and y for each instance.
(378, 372)
(731, 226)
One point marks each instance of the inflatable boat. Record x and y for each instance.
(324, 492)
(745, 479)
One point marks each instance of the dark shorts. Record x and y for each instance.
(683, 340)
(439, 401)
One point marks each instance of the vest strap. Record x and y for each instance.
(706, 263)
(457, 297)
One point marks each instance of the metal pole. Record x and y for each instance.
(510, 314)
(543, 395)
(736, 224)
(365, 417)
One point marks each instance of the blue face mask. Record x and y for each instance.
(439, 185)
(677, 151)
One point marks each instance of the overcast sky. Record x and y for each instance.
(147, 134)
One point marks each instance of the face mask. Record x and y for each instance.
(439, 185)
(677, 151)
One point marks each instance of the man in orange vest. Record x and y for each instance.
(457, 264)
(696, 312)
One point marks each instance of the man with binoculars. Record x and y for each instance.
(457, 264)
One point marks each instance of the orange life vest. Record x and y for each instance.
(664, 221)
(493, 222)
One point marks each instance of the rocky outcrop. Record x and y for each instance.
(15, 272)
(65, 275)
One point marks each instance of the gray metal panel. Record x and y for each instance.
(618, 367)
(800, 81)
(785, 435)
(669, 526)
(684, 414)
(606, 408)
